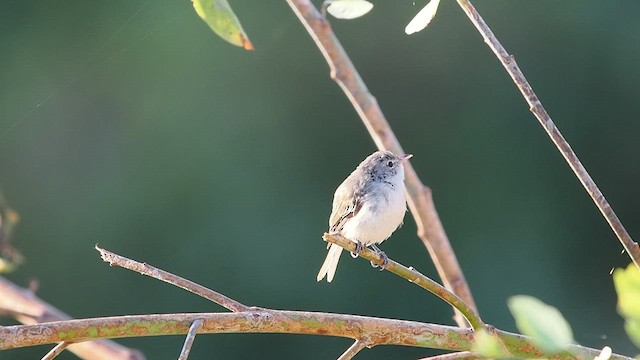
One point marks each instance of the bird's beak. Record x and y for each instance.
(405, 157)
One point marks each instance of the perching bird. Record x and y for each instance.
(368, 206)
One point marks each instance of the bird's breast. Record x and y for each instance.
(381, 214)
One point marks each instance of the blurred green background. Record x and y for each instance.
(130, 124)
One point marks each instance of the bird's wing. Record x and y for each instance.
(347, 201)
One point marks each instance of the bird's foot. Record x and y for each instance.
(359, 248)
(385, 258)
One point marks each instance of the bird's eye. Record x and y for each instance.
(390, 164)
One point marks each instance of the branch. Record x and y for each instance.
(561, 144)
(353, 350)
(414, 277)
(385, 331)
(430, 229)
(145, 269)
(367, 331)
(380, 331)
(57, 350)
(188, 342)
(27, 308)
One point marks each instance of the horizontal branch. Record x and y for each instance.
(383, 331)
(379, 331)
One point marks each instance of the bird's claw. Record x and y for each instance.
(385, 258)
(359, 248)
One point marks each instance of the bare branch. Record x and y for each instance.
(430, 229)
(145, 269)
(509, 63)
(413, 276)
(380, 331)
(385, 331)
(188, 342)
(26, 307)
(57, 350)
(353, 350)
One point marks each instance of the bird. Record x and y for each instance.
(368, 206)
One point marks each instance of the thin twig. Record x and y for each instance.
(145, 269)
(27, 308)
(353, 350)
(384, 331)
(57, 350)
(430, 229)
(188, 342)
(509, 63)
(413, 276)
(461, 355)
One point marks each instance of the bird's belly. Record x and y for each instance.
(374, 224)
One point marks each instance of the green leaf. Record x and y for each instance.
(221, 19)
(422, 18)
(627, 283)
(348, 9)
(488, 346)
(543, 323)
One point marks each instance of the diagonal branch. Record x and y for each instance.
(57, 350)
(353, 350)
(430, 229)
(146, 269)
(27, 308)
(561, 144)
(413, 276)
(188, 342)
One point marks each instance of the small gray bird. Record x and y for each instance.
(368, 206)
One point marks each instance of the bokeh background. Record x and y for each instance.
(130, 124)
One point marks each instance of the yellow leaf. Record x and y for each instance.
(221, 19)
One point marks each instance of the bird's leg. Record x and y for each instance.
(359, 248)
(385, 258)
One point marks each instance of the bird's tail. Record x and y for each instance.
(330, 263)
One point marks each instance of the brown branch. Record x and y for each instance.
(27, 308)
(535, 106)
(414, 277)
(382, 331)
(392, 266)
(368, 330)
(353, 350)
(145, 269)
(379, 331)
(430, 229)
(57, 350)
(188, 342)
